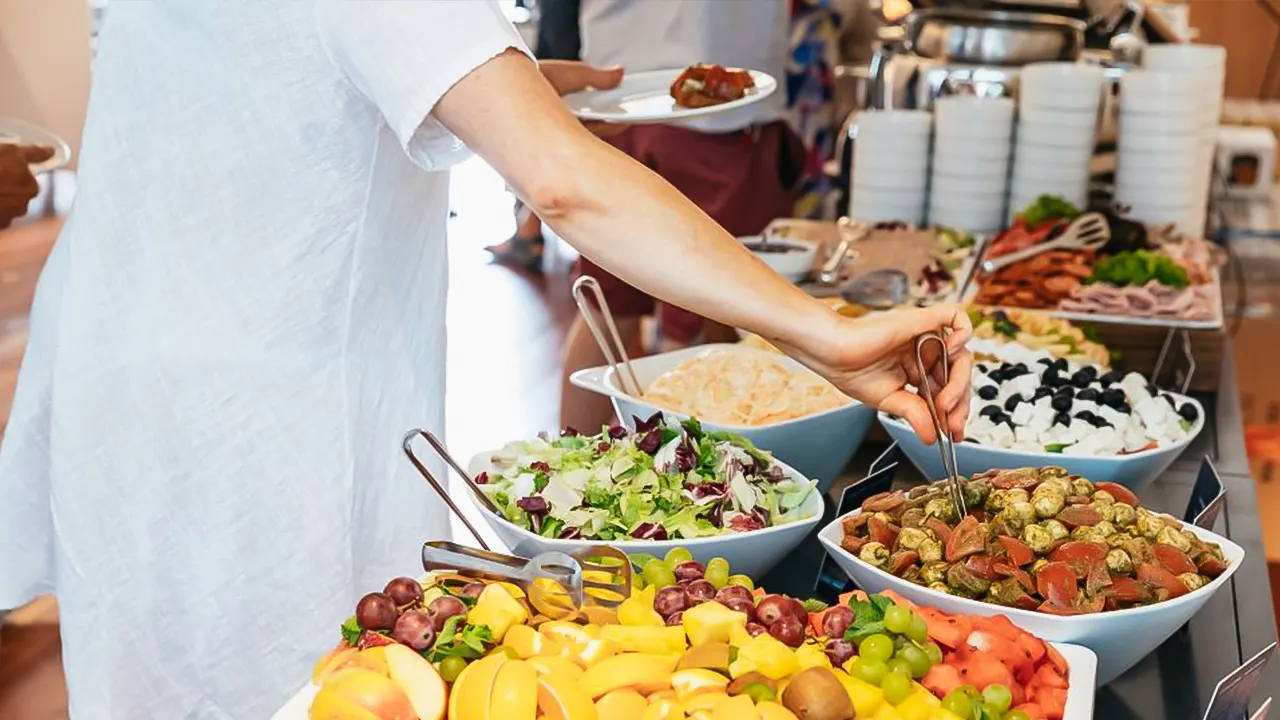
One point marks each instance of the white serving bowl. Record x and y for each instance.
(895, 122)
(1153, 161)
(1040, 134)
(973, 117)
(956, 134)
(750, 553)
(871, 147)
(914, 179)
(1120, 638)
(968, 219)
(1135, 471)
(817, 446)
(1063, 85)
(1054, 157)
(1030, 172)
(1173, 145)
(972, 164)
(1154, 186)
(876, 213)
(793, 265)
(947, 186)
(1185, 56)
(1077, 119)
(1165, 124)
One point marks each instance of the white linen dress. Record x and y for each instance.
(243, 315)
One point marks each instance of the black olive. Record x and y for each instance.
(1188, 412)
(1052, 379)
(997, 375)
(990, 411)
(1045, 361)
(1066, 390)
(972, 440)
(1109, 378)
(1086, 416)
(1152, 390)
(983, 367)
(1041, 391)
(1012, 402)
(1169, 399)
(1088, 394)
(988, 392)
(1100, 422)
(1022, 367)
(1080, 380)
(1090, 371)
(1060, 363)
(1113, 397)
(1062, 419)
(1061, 403)
(1005, 365)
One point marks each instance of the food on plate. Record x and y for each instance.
(704, 85)
(1139, 267)
(743, 388)
(1059, 407)
(1042, 220)
(937, 280)
(1049, 209)
(664, 480)
(1196, 256)
(1034, 539)
(1042, 281)
(1036, 331)
(1197, 303)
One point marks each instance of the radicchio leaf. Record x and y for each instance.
(570, 533)
(540, 466)
(603, 447)
(569, 431)
(650, 443)
(482, 478)
(706, 489)
(686, 455)
(644, 426)
(649, 531)
(617, 432)
(534, 505)
(743, 522)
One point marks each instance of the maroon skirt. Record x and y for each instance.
(743, 180)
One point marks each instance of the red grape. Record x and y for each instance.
(773, 608)
(743, 606)
(415, 630)
(670, 600)
(700, 591)
(376, 611)
(443, 608)
(404, 591)
(838, 652)
(798, 612)
(690, 571)
(835, 621)
(734, 591)
(789, 631)
(754, 629)
(472, 590)
(676, 618)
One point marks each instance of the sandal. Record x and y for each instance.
(519, 252)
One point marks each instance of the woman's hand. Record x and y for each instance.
(17, 184)
(874, 359)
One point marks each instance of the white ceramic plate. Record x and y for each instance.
(1135, 470)
(13, 130)
(645, 97)
(817, 446)
(1120, 638)
(751, 553)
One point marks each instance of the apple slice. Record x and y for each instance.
(419, 681)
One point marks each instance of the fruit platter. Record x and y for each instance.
(1141, 275)
(1066, 558)
(692, 641)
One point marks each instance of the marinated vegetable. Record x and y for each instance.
(1041, 539)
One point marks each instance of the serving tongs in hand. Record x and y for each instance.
(946, 447)
(559, 585)
(597, 324)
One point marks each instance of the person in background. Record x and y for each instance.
(559, 38)
(741, 167)
(17, 185)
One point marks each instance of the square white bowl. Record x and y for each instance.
(817, 446)
(1120, 638)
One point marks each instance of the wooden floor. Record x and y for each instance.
(495, 316)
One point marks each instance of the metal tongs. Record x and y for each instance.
(559, 585)
(594, 324)
(946, 447)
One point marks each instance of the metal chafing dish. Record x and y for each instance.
(986, 37)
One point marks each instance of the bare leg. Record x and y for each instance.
(583, 409)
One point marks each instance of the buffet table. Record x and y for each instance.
(1178, 679)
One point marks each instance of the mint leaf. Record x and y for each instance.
(868, 618)
(882, 603)
(814, 605)
(469, 643)
(351, 631)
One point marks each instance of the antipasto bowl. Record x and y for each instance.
(1133, 470)
(753, 552)
(1120, 638)
(817, 445)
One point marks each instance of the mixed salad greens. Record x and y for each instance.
(664, 480)
(1139, 267)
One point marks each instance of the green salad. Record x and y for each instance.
(664, 480)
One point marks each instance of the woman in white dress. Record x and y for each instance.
(246, 310)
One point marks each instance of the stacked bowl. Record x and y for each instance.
(891, 166)
(1159, 152)
(971, 163)
(1204, 68)
(1057, 125)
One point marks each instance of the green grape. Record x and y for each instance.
(916, 660)
(896, 688)
(657, 574)
(934, 652)
(637, 581)
(742, 580)
(451, 667)
(997, 696)
(718, 562)
(969, 690)
(918, 630)
(897, 619)
(872, 671)
(900, 666)
(876, 647)
(958, 703)
(676, 556)
(1016, 715)
(719, 577)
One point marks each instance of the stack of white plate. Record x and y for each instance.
(891, 166)
(1204, 67)
(971, 163)
(1057, 125)
(1159, 147)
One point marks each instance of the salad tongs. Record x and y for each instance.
(630, 383)
(946, 447)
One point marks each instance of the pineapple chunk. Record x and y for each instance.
(711, 622)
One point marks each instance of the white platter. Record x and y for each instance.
(645, 98)
(13, 130)
(1119, 638)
